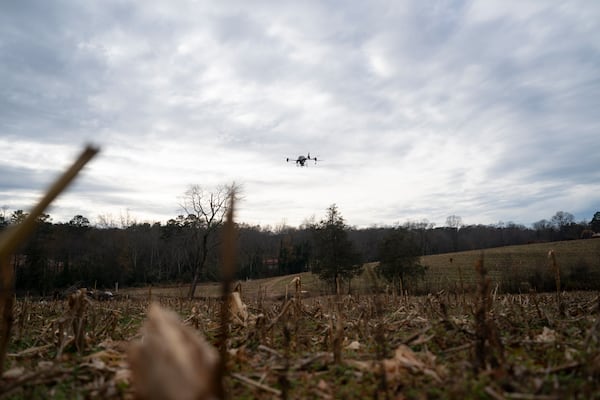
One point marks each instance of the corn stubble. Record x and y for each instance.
(430, 345)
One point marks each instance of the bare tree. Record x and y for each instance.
(421, 228)
(205, 211)
(454, 222)
(3, 219)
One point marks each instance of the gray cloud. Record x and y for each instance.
(425, 109)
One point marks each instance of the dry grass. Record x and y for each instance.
(501, 262)
(270, 288)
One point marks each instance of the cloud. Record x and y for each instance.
(418, 110)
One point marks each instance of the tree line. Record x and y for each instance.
(185, 248)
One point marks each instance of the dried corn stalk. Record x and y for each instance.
(76, 317)
(237, 308)
(555, 267)
(16, 235)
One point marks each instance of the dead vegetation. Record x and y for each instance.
(490, 346)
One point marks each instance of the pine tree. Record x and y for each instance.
(595, 222)
(336, 259)
(399, 258)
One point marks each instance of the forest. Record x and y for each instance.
(128, 253)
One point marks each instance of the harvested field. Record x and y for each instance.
(512, 267)
(435, 346)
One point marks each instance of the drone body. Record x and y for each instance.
(301, 160)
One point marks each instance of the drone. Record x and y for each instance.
(301, 160)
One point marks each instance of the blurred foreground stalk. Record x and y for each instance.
(15, 235)
(227, 275)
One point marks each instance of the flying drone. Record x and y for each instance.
(301, 160)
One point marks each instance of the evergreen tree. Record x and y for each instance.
(336, 259)
(595, 222)
(36, 274)
(399, 258)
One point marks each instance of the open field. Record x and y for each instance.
(508, 267)
(475, 343)
(270, 288)
(329, 348)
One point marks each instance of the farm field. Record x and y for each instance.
(477, 343)
(508, 267)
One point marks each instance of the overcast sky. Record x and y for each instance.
(489, 110)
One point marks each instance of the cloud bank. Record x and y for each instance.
(486, 110)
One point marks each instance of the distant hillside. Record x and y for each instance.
(511, 268)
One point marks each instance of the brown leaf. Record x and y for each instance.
(172, 361)
(355, 345)
(13, 373)
(404, 362)
(547, 336)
